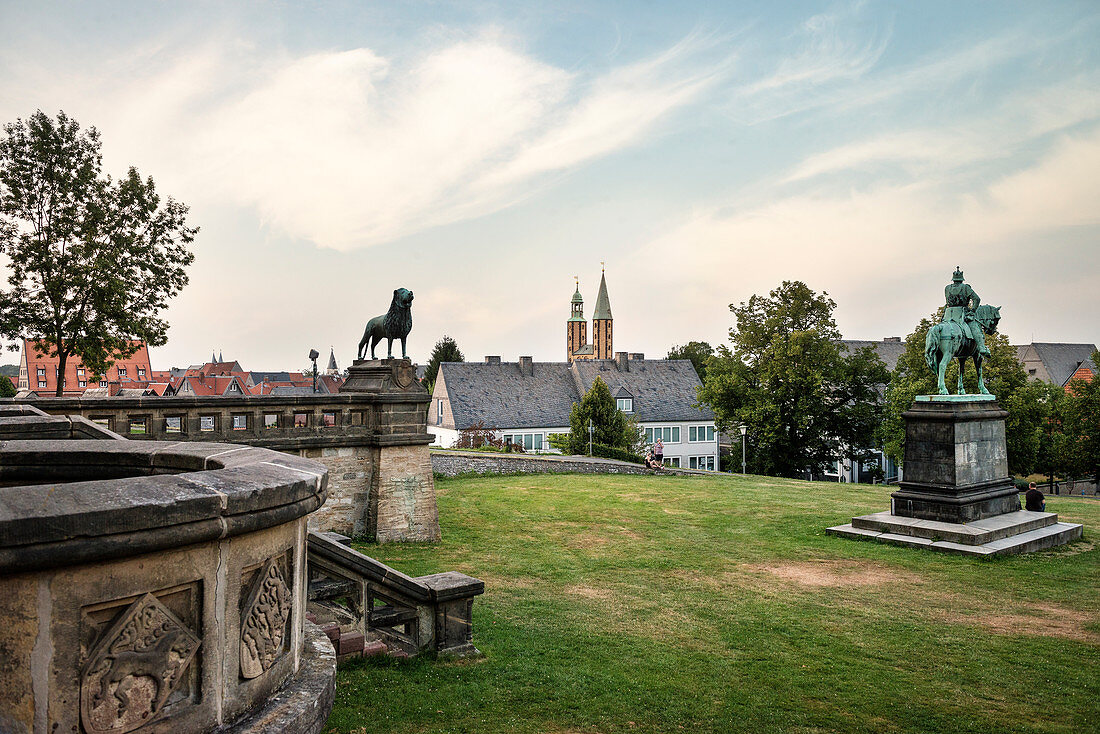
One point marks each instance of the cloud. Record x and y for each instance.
(351, 148)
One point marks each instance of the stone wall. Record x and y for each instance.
(453, 464)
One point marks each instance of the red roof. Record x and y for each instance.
(40, 373)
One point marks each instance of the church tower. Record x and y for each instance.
(601, 324)
(576, 327)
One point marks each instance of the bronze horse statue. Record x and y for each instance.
(949, 340)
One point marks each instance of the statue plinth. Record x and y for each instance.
(398, 502)
(956, 460)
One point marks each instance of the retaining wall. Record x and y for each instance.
(452, 464)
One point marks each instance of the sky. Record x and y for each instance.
(483, 154)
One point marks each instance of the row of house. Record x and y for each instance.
(134, 376)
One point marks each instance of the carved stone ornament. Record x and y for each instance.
(134, 667)
(263, 623)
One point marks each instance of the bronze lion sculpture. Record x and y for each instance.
(394, 324)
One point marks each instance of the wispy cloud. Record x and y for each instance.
(350, 148)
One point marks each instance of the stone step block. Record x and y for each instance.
(351, 643)
(977, 532)
(1048, 536)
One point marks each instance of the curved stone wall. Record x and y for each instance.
(156, 587)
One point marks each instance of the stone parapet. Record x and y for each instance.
(453, 464)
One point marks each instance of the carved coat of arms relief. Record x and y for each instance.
(264, 620)
(134, 667)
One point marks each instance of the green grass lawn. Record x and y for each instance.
(627, 604)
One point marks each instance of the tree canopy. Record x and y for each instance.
(1028, 403)
(697, 352)
(445, 350)
(804, 399)
(609, 423)
(92, 261)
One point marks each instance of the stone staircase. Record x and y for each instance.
(1013, 532)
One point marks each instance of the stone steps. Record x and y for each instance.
(977, 532)
(1046, 536)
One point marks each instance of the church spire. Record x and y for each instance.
(603, 303)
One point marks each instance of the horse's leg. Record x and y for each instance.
(981, 380)
(962, 368)
(941, 371)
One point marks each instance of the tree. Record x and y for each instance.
(786, 378)
(445, 350)
(92, 261)
(697, 352)
(609, 423)
(1028, 404)
(7, 389)
(1081, 425)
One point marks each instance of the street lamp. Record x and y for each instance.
(313, 355)
(591, 429)
(744, 430)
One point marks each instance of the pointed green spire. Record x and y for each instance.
(603, 303)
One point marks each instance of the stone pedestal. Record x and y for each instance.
(400, 498)
(957, 495)
(956, 460)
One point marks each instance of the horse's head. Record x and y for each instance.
(988, 316)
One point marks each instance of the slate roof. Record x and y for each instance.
(888, 351)
(1061, 360)
(503, 397)
(603, 303)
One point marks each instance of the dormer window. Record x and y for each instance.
(626, 405)
(121, 371)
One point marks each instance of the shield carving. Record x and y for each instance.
(134, 667)
(263, 624)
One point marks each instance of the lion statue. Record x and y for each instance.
(394, 324)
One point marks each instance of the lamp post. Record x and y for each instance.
(744, 430)
(591, 429)
(313, 355)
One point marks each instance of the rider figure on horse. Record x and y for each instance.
(961, 303)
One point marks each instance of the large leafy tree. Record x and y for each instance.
(786, 377)
(445, 350)
(697, 352)
(92, 261)
(1028, 404)
(610, 426)
(1080, 414)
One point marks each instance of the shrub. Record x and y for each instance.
(612, 452)
(478, 435)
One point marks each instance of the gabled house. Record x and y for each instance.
(524, 402)
(1056, 363)
(38, 372)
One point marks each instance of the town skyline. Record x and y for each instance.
(482, 156)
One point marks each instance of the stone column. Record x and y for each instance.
(956, 461)
(400, 504)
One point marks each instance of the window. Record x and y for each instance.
(41, 383)
(700, 433)
(121, 371)
(240, 422)
(667, 434)
(141, 372)
(41, 371)
(82, 383)
(206, 423)
(301, 420)
(79, 371)
(328, 420)
(103, 420)
(137, 425)
(439, 414)
(103, 383)
(701, 462)
(529, 441)
(672, 461)
(271, 420)
(626, 405)
(173, 424)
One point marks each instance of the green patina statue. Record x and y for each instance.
(961, 333)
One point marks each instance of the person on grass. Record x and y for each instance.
(1034, 500)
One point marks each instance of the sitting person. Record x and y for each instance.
(1034, 501)
(651, 462)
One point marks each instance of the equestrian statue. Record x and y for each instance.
(961, 333)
